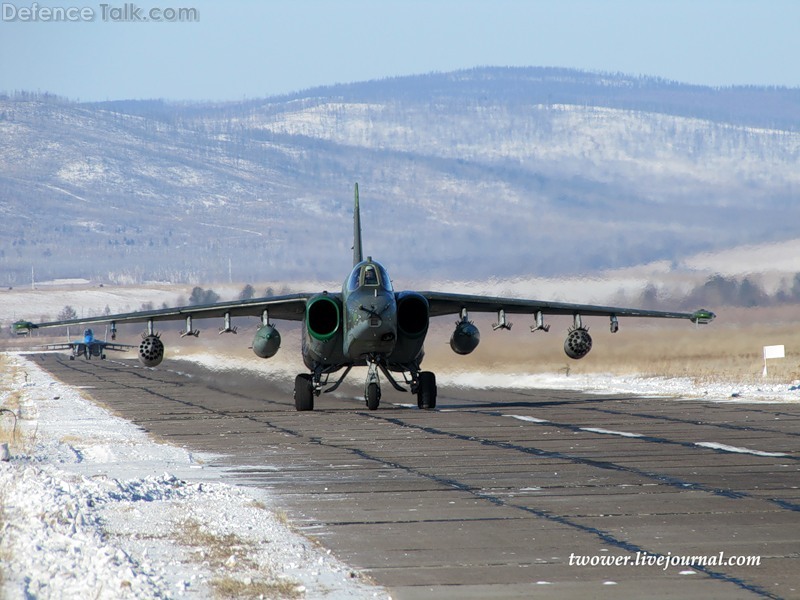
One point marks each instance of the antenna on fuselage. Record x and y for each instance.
(357, 256)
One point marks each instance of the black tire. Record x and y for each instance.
(373, 396)
(303, 392)
(426, 394)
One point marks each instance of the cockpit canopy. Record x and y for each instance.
(369, 274)
(88, 333)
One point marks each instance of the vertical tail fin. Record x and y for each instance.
(357, 256)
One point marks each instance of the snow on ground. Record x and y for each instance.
(593, 383)
(93, 508)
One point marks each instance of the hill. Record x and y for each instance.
(479, 173)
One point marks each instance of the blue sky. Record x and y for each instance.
(248, 49)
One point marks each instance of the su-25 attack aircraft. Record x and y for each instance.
(369, 324)
(89, 346)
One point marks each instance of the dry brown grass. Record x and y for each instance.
(9, 430)
(228, 587)
(728, 349)
(216, 549)
(230, 554)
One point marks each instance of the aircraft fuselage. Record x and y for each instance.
(370, 313)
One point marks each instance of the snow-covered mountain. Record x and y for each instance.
(488, 172)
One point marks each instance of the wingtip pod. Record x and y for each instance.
(702, 317)
(23, 327)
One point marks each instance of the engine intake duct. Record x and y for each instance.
(323, 317)
(412, 314)
(412, 325)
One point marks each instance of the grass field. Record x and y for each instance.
(731, 348)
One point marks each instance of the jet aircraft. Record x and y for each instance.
(89, 346)
(370, 324)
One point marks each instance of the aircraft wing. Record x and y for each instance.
(442, 303)
(117, 347)
(103, 345)
(290, 308)
(61, 346)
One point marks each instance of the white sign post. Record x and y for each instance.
(772, 352)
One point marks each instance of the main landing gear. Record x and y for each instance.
(304, 392)
(422, 383)
(426, 390)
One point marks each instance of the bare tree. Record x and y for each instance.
(67, 313)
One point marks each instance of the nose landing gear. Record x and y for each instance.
(372, 387)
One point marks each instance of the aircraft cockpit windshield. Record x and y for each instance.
(88, 333)
(370, 275)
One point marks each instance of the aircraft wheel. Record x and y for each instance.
(72, 358)
(303, 392)
(426, 394)
(373, 396)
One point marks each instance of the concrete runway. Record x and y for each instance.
(492, 494)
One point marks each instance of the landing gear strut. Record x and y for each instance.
(372, 387)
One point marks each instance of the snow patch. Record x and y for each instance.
(611, 432)
(527, 418)
(737, 450)
(90, 507)
(675, 388)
